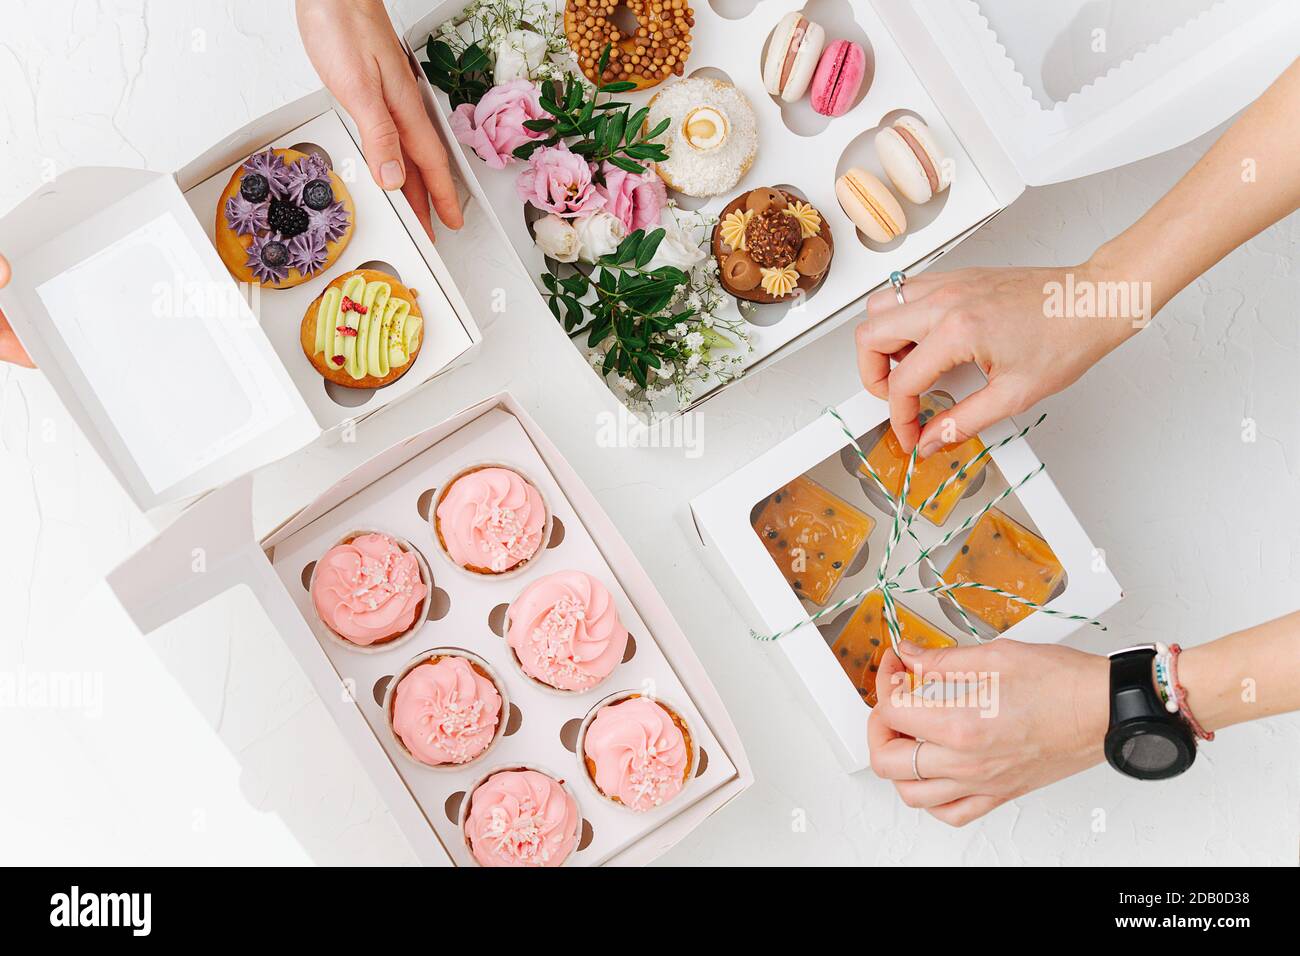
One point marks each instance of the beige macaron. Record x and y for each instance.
(913, 160)
(870, 205)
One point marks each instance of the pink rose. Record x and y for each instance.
(559, 181)
(634, 199)
(494, 126)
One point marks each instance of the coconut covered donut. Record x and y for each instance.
(657, 49)
(711, 139)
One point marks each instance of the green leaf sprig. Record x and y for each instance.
(625, 307)
(463, 78)
(600, 131)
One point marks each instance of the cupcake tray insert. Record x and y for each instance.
(536, 731)
(186, 378)
(392, 492)
(822, 453)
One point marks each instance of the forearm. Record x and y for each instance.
(1244, 676)
(1247, 181)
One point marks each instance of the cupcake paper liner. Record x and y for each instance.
(617, 698)
(504, 768)
(426, 576)
(390, 697)
(509, 572)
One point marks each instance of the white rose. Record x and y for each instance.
(677, 248)
(557, 238)
(598, 235)
(518, 54)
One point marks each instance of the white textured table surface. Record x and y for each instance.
(207, 744)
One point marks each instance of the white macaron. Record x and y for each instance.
(913, 159)
(792, 55)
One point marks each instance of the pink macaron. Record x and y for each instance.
(839, 76)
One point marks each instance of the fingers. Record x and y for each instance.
(421, 143)
(11, 350)
(941, 661)
(893, 707)
(417, 194)
(399, 141)
(885, 300)
(906, 713)
(891, 758)
(903, 331)
(893, 334)
(363, 98)
(932, 793)
(974, 413)
(963, 811)
(915, 375)
(873, 360)
(879, 736)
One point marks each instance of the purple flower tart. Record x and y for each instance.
(284, 217)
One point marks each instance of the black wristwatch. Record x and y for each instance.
(1144, 740)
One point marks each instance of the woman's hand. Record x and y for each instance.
(11, 350)
(357, 54)
(996, 318)
(1016, 717)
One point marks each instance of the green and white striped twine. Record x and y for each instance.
(887, 584)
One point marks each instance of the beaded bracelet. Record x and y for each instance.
(1163, 674)
(1180, 696)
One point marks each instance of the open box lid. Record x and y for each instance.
(211, 548)
(195, 395)
(1192, 65)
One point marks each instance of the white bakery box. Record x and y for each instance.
(1018, 96)
(392, 492)
(179, 377)
(724, 520)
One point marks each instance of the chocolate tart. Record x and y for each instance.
(777, 251)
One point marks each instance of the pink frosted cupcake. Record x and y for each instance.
(564, 631)
(445, 708)
(637, 752)
(369, 589)
(490, 520)
(520, 818)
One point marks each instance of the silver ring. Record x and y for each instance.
(916, 774)
(896, 279)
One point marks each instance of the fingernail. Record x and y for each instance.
(390, 174)
(929, 448)
(910, 649)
